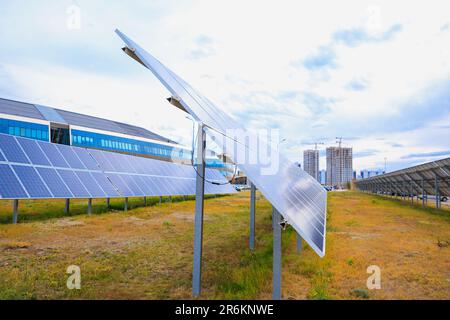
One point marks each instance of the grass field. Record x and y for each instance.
(146, 253)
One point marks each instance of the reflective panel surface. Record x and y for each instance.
(58, 171)
(294, 193)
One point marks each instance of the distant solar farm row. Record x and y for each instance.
(32, 169)
(432, 178)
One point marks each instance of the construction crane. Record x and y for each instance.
(339, 141)
(341, 165)
(314, 143)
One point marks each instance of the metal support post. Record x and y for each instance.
(276, 281)
(160, 200)
(89, 206)
(299, 243)
(108, 203)
(126, 204)
(67, 206)
(199, 204)
(423, 194)
(252, 216)
(15, 210)
(436, 191)
(145, 201)
(411, 193)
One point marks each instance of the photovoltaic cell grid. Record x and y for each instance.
(295, 194)
(39, 170)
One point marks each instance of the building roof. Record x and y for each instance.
(29, 110)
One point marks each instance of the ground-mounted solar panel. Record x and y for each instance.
(426, 179)
(74, 184)
(53, 154)
(91, 184)
(294, 193)
(151, 185)
(87, 159)
(58, 171)
(70, 156)
(54, 183)
(121, 185)
(32, 182)
(10, 186)
(132, 184)
(103, 181)
(11, 149)
(103, 162)
(33, 151)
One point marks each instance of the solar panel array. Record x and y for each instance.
(295, 194)
(409, 181)
(32, 169)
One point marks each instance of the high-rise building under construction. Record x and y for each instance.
(339, 166)
(311, 163)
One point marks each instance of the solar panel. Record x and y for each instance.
(58, 171)
(11, 149)
(121, 185)
(86, 158)
(53, 154)
(20, 109)
(91, 184)
(33, 151)
(413, 180)
(70, 157)
(54, 183)
(295, 194)
(10, 187)
(32, 182)
(2, 158)
(131, 183)
(74, 184)
(152, 185)
(103, 162)
(105, 184)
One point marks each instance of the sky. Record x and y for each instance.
(376, 73)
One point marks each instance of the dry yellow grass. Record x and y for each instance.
(146, 253)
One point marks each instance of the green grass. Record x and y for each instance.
(41, 210)
(146, 253)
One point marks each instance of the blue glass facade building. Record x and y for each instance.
(113, 143)
(60, 130)
(24, 129)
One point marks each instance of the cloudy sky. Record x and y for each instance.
(376, 73)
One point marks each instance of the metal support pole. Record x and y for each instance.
(160, 200)
(108, 203)
(15, 210)
(170, 199)
(411, 193)
(89, 206)
(252, 215)
(299, 243)
(436, 191)
(126, 204)
(145, 201)
(67, 206)
(423, 194)
(199, 204)
(276, 282)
